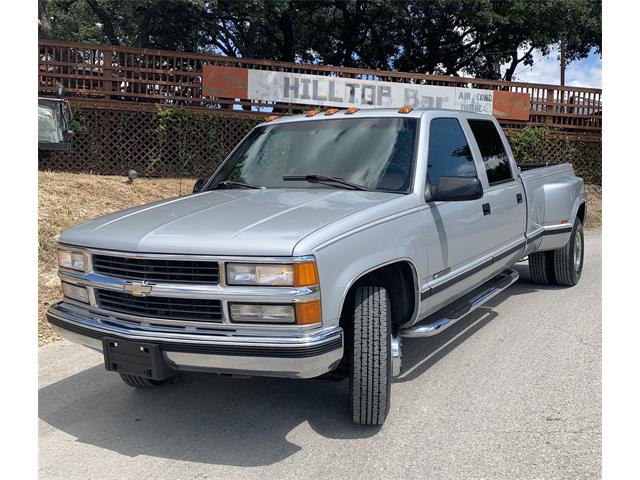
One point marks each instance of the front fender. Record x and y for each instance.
(344, 260)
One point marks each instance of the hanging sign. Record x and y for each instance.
(319, 90)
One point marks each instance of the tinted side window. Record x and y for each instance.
(492, 149)
(449, 152)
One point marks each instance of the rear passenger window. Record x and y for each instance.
(492, 150)
(449, 152)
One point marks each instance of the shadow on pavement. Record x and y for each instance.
(221, 420)
(202, 418)
(420, 354)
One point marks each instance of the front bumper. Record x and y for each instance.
(309, 355)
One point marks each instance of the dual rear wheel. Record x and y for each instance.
(562, 266)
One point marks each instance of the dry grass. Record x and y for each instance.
(66, 199)
(594, 207)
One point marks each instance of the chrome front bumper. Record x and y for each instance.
(308, 355)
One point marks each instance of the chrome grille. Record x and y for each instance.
(189, 309)
(158, 270)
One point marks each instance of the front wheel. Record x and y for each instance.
(370, 365)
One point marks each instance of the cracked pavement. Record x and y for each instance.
(513, 391)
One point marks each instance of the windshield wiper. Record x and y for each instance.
(324, 180)
(231, 183)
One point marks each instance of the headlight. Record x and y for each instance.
(75, 292)
(72, 260)
(273, 274)
(269, 274)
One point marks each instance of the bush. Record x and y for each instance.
(531, 144)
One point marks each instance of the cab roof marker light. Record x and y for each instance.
(331, 111)
(351, 110)
(271, 118)
(406, 109)
(311, 113)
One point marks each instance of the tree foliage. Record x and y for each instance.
(450, 37)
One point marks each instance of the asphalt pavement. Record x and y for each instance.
(511, 392)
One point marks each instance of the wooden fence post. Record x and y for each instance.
(550, 105)
(107, 73)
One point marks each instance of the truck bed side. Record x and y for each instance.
(554, 197)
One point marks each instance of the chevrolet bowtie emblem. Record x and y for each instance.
(139, 289)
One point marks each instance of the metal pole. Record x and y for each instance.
(563, 64)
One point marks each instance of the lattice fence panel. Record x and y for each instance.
(585, 156)
(178, 143)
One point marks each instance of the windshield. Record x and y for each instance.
(375, 153)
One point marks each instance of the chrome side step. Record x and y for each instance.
(449, 315)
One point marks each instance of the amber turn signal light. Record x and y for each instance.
(305, 274)
(308, 313)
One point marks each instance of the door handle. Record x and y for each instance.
(519, 197)
(486, 208)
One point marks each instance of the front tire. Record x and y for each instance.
(370, 365)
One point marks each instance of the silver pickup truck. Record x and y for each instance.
(320, 242)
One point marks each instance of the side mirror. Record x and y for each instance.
(456, 189)
(199, 184)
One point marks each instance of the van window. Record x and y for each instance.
(492, 150)
(449, 152)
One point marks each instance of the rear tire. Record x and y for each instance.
(140, 382)
(541, 268)
(370, 365)
(569, 260)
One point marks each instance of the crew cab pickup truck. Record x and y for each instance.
(320, 242)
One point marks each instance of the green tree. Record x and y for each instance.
(449, 37)
(476, 37)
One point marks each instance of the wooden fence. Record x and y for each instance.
(122, 74)
(118, 91)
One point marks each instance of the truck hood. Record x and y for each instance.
(223, 222)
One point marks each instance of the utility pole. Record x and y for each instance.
(563, 64)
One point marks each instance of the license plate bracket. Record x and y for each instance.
(134, 358)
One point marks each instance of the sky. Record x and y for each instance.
(580, 73)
